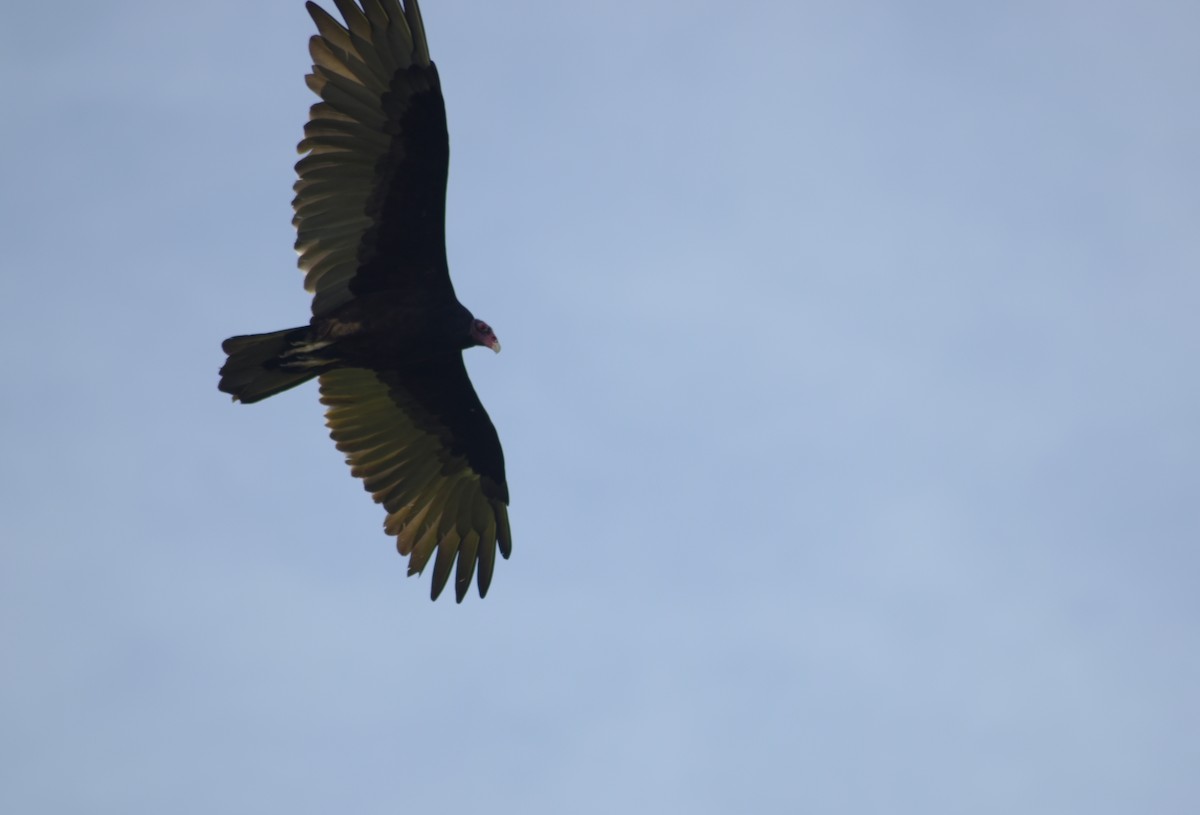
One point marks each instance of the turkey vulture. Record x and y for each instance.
(387, 332)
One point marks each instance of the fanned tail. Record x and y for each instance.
(262, 365)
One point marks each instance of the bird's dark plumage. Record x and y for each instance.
(387, 332)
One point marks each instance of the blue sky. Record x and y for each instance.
(848, 395)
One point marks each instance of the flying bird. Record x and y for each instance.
(387, 332)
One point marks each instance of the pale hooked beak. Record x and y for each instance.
(482, 334)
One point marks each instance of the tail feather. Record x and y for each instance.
(259, 365)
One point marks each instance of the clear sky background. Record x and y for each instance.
(849, 394)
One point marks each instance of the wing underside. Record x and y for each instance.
(437, 502)
(371, 195)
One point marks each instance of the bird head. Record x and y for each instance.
(483, 335)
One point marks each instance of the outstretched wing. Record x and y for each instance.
(426, 449)
(371, 200)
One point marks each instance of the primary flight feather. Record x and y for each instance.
(387, 332)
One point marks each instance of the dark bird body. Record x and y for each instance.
(387, 332)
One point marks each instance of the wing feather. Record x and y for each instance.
(356, 21)
(412, 13)
(449, 540)
(404, 485)
(365, 49)
(330, 29)
(349, 84)
(333, 57)
(424, 541)
(337, 142)
(487, 554)
(468, 555)
(357, 136)
(414, 520)
(503, 534)
(380, 22)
